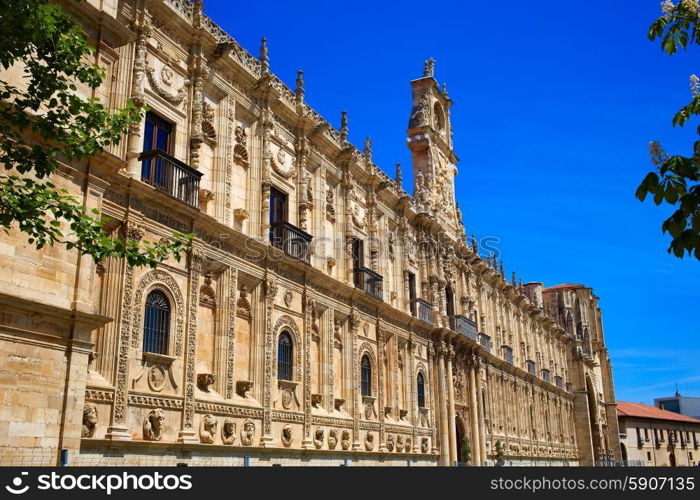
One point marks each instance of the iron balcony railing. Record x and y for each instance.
(485, 342)
(531, 369)
(423, 310)
(369, 282)
(291, 240)
(171, 176)
(464, 326)
(508, 354)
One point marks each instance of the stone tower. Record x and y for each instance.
(430, 142)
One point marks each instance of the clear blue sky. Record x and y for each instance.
(555, 104)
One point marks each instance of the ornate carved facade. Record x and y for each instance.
(292, 325)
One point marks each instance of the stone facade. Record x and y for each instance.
(653, 437)
(378, 292)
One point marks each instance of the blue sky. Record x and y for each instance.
(555, 104)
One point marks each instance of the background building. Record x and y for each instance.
(684, 405)
(653, 437)
(323, 314)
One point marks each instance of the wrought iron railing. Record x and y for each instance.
(291, 240)
(369, 282)
(423, 310)
(464, 326)
(485, 342)
(171, 176)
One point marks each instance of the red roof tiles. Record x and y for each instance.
(639, 410)
(565, 286)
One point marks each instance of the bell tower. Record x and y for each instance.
(430, 141)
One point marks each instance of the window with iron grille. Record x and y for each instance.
(284, 357)
(366, 376)
(156, 323)
(420, 383)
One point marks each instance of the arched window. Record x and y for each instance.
(366, 376)
(284, 357)
(420, 385)
(156, 324)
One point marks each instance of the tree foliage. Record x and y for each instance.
(675, 180)
(46, 121)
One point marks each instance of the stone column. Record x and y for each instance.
(474, 413)
(451, 407)
(271, 289)
(480, 413)
(187, 432)
(444, 433)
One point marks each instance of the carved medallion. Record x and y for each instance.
(287, 435)
(287, 398)
(399, 443)
(318, 437)
(153, 425)
(156, 378)
(288, 297)
(408, 447)
(390, 443)
(345, 440)
(248, 432)
(89, 421)
(228, 431)
(368, 411)
(332, 439)
(207, 429)
(369, 441)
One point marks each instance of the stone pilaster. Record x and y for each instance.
(270, 293)
(356, 399)
(474, 413)
(309, 306)
(444, 432)
(451, 406)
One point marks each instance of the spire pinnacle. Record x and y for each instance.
(300, 85)
(343, 127)
(503, 273)
(514, 281)
(475, 248)
(264, 61)
(399, 178)
(444, 89)
(368, 149)
(429, 68)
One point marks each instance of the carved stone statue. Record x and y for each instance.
(228, 431)
(207, 429)
(408, 446)
(390, 442)
(89, 420)
(248, 432)
(369, 441)
(399, 443)
(153, 425)
(287, 435)
(318, 437)
(332, 439)
(424, 445)
(345, 440)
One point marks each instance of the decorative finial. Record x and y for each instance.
(503, 273)
(399, 178)
(514, 281)
(444, 89)
(475, 248)
(264, 61)
(343, 127)
(493, 260)
(300, 85)
(429, 68)
(368, 149)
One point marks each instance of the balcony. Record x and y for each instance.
(531, 369)
(546, 376)
(485, 342)
(171, 176)
(463, 326)
(508, 353)
(423, 310)
(291, 240)
(369, 282)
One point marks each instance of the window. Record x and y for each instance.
(357, 253)
(420, 384)
(648, 456)
(284, 357)
(366, 376)
(157, 136)
(449, 301)
(412, 292)
(156, 324)
(278, 206)
(646, 434)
